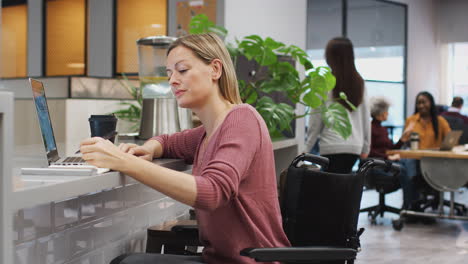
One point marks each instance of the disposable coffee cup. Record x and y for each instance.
(103, 126)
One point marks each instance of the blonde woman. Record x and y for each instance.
(233, 182)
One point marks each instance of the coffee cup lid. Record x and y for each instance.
(110, 117)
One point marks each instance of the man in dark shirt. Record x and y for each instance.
(454, 110)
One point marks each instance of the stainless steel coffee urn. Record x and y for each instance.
(160, 113)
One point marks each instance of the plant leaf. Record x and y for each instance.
(278, 117)
(200, 24)
(336, 117)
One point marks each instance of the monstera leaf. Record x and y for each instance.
(276, 116)
(279, 76)
(201, 24)
(336, 117)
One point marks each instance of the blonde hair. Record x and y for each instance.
(208, 47)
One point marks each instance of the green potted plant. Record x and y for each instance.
(132, 112)
(279, 76)
(271, 76)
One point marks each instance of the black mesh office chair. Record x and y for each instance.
(320, 212)
(384, 182)
(430, 198)
(457, 123)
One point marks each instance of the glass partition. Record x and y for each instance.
(324, 22)
(378, 31)
(458, 69)
(135, 20)
(14, 37)
(65, 37)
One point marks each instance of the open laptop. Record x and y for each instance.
(451, 140)
(67, 165)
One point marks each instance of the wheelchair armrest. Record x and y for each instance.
(322, 161)
(292, 254)
(378, 163)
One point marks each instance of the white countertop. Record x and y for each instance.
(32, 190)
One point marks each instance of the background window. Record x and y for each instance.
(65, 37)
(14, 36)
(458, 67)
(378, 32)
(135, 20)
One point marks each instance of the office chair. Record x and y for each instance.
(384, 182)
(320, 211)
(430, 198)
(457, 123)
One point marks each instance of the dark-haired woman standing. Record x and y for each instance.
(343, 153)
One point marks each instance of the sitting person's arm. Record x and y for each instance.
(405, 136)
(164, 146)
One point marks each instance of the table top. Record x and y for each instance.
(458, 152)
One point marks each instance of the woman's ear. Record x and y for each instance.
(217, 69)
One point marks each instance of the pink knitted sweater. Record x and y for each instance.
(237, 202)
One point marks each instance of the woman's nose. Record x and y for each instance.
(172, 79)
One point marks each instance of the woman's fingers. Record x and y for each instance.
(89, 157)
(137, 151)
(127, 147)
(96, 144)
(91, 141)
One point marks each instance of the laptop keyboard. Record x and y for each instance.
(73, 160)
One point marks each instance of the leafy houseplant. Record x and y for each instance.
(132, 113)
(273, 75)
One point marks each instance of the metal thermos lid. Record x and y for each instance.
(414, 136)
(156, 41)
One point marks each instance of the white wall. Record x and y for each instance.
(281, 20)
(424, 63)
(284, 21)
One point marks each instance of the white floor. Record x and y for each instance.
(445, 241)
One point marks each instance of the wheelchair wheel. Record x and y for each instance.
(397, 224)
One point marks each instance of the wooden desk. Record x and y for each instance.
(457, 153)
(445, 171)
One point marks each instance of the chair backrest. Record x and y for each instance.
(321, 208)
(457, 123)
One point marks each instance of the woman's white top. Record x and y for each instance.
(332, 143)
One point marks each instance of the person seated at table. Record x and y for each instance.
(432, 129)
(380, 142)
(233, 182)
(454, 110)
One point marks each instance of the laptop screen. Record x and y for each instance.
(43, 117)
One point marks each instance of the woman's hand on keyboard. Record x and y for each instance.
(145, 151)
(103, 154)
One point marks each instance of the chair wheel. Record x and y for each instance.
(373, 221)
(397, 224)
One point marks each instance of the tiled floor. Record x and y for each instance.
(446, 241)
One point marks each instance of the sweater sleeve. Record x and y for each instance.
(313, 131)
(366, 126)
(235, 148)
(181, 145)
